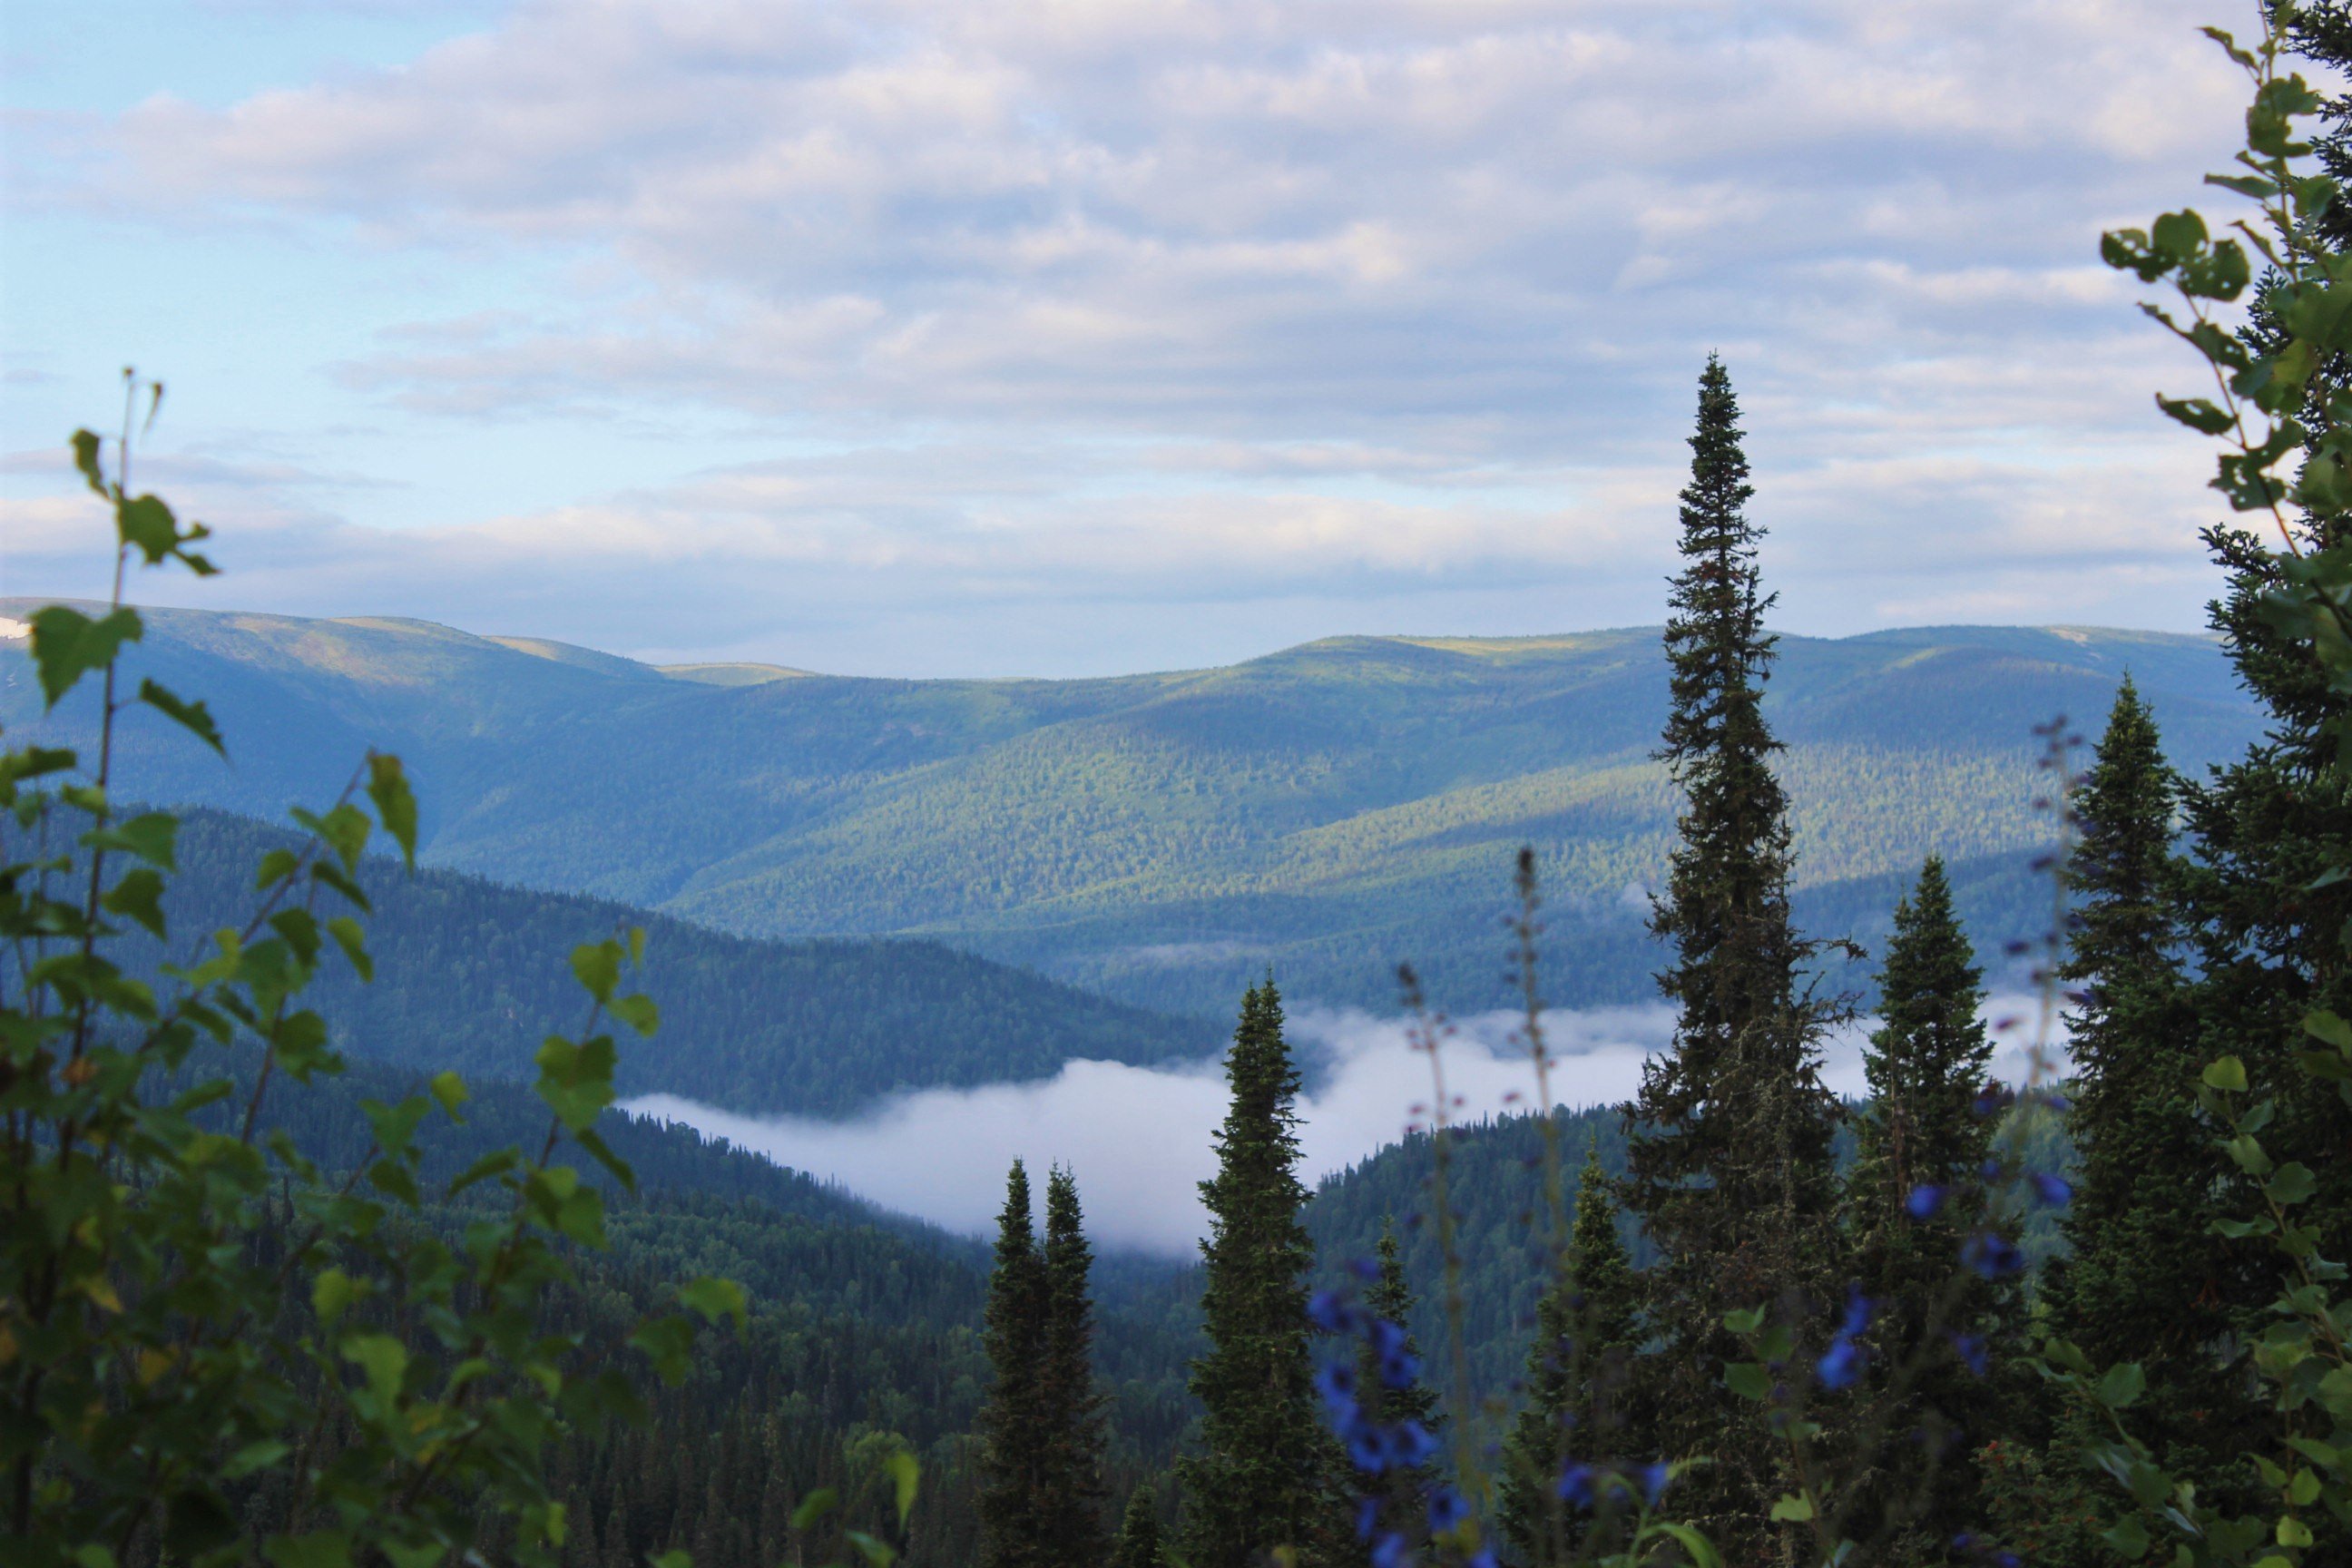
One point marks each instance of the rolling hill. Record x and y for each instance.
(1328, 810)
(471, 975)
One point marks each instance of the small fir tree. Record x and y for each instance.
(1259, 1481)
(1729, 1167)
(1069, 1505)
(1586, 1328)
(1942, 1340)
(1391, 1390)
(1012, 1425)
(1138, 1532)
(2140, 1285)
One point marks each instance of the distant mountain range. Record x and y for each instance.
(1326, 811)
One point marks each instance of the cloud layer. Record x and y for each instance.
(1138, 1138)
(994, 311)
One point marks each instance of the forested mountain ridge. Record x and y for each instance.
(1330, 808)
(471, 975)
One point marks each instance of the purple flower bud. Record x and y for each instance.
(1446, 1510)
(1970, 1349)
(1390, 1551)
(1924, 1200)
(1399, 1371)
(1576, 1484)
(1367, 1516)
(1365, 1269)
(1653, 1483)
(1367, 1449)
(2051, 1190)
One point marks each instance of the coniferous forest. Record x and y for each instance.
(326, 1242)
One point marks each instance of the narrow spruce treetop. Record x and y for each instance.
(1012, 1426)
(1257, 1483)
(1715, 643)
(1138, 1532)
(1922, 1138)
(2123, 876)
(1071, 1419)
(2138, 1285)
(1586, 1328)
(1402, 1493)
(1930, 1056)
(1728, 1164)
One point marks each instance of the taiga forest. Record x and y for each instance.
(1783, 1084)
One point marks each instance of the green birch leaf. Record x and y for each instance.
(193, 716)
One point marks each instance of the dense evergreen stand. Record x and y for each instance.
(1729, 1168)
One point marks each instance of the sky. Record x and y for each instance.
(1138, 1138)
(1061, 337)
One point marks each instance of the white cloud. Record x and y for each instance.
(1138, 1138)
(1011, 308)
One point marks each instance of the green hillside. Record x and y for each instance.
(471, 975)
(1329, 809)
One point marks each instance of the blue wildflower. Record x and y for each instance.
(1924, 1201)
(1992, 1255)
(1414, 1445)
(1368, 1517)
(1653, 1483)
(1387, 1338)
(1576, 1484)
(1330, 1311)
(1368, 1448)
(1859, 1310)
(1446, 1510)
(1482, 1558)
(1390, 1551)
(1399, 1369)
(2053, 1191)
(1971, 1348)
(1841, 1364)
(1364, 1269)
(1336, 1384)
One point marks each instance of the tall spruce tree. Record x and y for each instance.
(2140, 1285)
(1071, 1423)
(1729, 1167)
(1915, 1194)
(1586, 1328)
(1012, 1463)
(1138, 1545)
(1260, 1479)
(1391, 1390)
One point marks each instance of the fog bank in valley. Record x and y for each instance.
(1138, 1138)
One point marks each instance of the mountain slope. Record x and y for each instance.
(473, 975)
(1329, 809)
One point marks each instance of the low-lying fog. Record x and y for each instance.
(1138, 1138)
